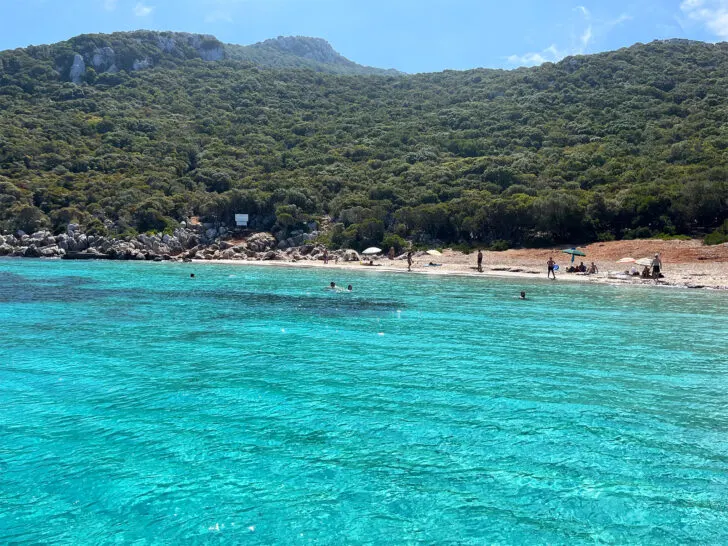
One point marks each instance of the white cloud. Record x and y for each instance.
(585, 12)
(713, 14)
(110, 5)
(585, 28)
(218, 16)
(142, 10)
(619, 20)
(586, 37)
(551, 54)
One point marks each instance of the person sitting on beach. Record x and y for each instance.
(646, 272)
(582, 268)
(593, 269)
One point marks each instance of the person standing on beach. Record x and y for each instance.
(550, 264)
(390, 255)
(656, 266)
(480, 261)
(409, 261)
(326, 256)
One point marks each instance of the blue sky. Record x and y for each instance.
(410, 35)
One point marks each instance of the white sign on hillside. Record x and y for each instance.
(241, 220)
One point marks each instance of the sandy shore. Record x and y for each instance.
(686, 264)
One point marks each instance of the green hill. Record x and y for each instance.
(300, 52)
(621, 144)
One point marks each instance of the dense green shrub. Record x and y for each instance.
(499, 245)
(395, 241)
(719, 236)
(616, 145)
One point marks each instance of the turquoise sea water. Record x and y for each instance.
(251, 406)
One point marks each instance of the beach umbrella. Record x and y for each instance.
(573, 252)
(372, 250)
(434, 253)
(626, 261)
(644, 261)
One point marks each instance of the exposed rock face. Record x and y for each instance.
(212, 54)
(316, 49)
(166, 43)
(104, 60)
(141, 64)
(78, 69)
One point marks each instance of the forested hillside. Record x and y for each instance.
(616, 145)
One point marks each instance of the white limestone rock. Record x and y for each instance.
(78, 69)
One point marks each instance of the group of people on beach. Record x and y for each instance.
(653, 271)
(551, 268)
(581, 268)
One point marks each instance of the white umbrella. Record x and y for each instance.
(434, 253)
(644, 261)
(372, 250)
(626, 261)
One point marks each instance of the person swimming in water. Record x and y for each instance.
(350, 288)
(332, 286)
(523, 295)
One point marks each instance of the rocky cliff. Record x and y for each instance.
(87, 57)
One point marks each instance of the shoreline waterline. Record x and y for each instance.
(598, 279)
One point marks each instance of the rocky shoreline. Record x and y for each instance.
(184, 244)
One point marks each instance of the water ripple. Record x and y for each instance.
(251, 405)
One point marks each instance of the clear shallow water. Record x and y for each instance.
(249, 405)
